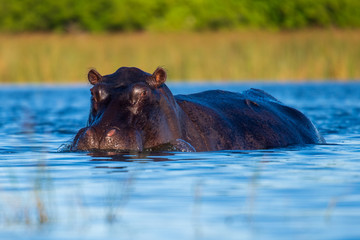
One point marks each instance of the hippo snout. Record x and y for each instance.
(114, 138)
(86, 139)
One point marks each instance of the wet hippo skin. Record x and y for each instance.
(132, 110)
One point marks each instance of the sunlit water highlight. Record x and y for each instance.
(300, 192)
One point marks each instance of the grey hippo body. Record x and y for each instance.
(132, 110)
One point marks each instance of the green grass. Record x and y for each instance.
(247, 55)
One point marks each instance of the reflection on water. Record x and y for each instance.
(132, 156)
(290, 193)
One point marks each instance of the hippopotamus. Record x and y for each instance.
(132, 110)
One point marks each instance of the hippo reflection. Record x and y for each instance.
(132, 110)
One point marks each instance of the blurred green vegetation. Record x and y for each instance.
(174, 15)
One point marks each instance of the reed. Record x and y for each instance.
(241, 55)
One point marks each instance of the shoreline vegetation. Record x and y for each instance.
(241, 55)
(169, 15)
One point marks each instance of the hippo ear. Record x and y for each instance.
(94, 77)
(157, 78)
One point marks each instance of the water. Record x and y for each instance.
(310, 192)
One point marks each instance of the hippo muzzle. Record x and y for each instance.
(114, 138)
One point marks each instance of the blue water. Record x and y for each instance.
(307, 192)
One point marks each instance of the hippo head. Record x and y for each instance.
(131, 110)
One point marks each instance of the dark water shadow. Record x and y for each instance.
(126, 160)
(131, 156)
(161, 156)
(129, 160)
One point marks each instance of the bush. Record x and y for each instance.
(172, 15)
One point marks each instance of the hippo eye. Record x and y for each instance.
(99, 94)
(143, 93)
(139, 93)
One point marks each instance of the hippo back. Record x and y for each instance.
(249, 120)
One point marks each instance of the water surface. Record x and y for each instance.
(299, 192)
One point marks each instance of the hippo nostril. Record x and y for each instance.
(90, 133)
(111, 132)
